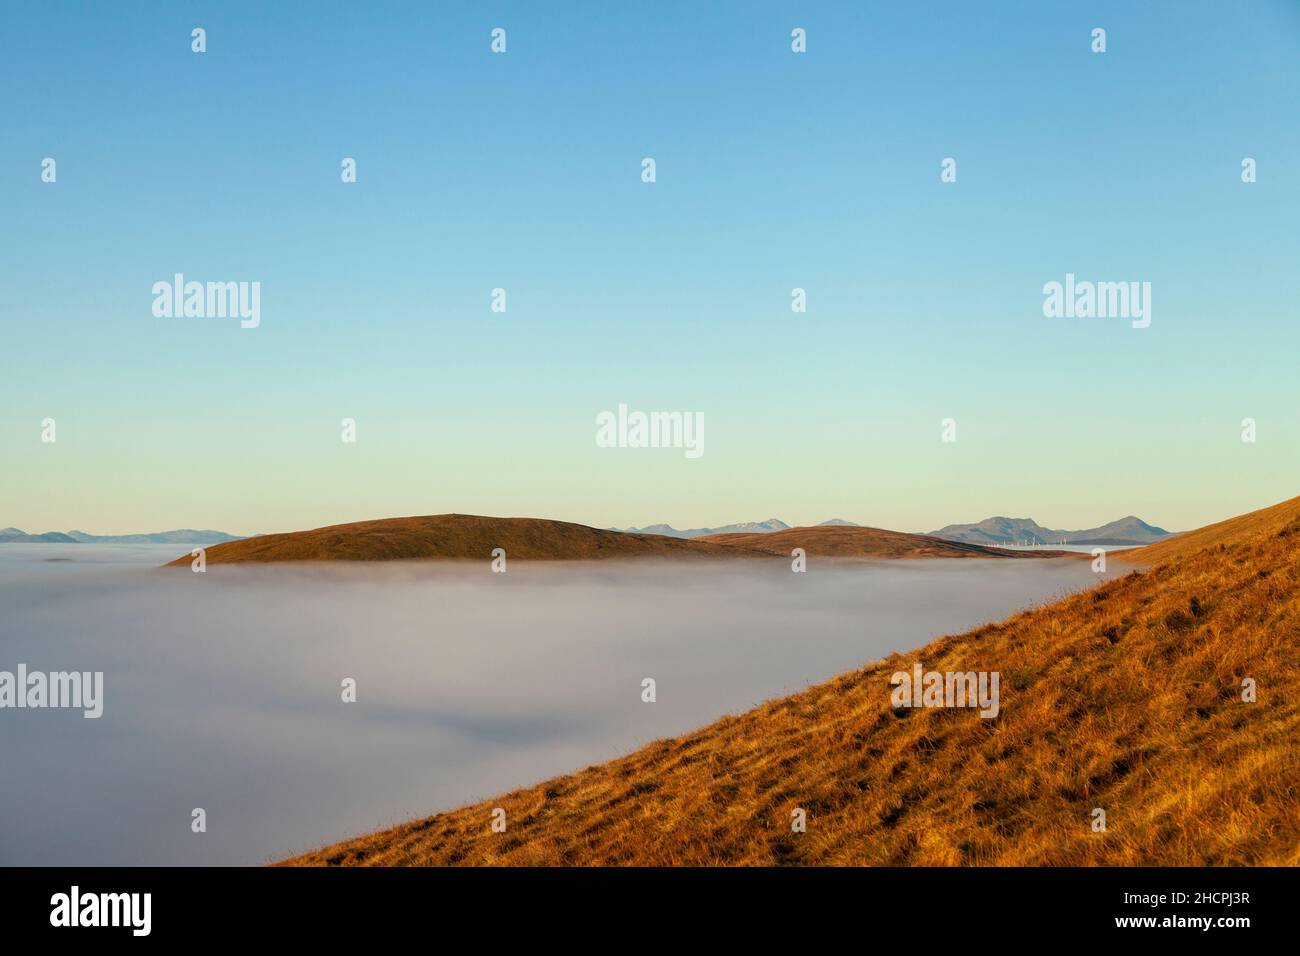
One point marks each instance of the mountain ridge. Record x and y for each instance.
(740, 527)
(1003, 531)
(179, 536)
(854, 541)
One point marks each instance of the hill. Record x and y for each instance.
(473, 537)
(1125, 698)
(1127, 530)
(852, 541)
(467, 537)
(1130, 530)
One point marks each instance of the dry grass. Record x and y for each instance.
(1231, 531)
(1126, 697)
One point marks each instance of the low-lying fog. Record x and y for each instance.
(222, 690)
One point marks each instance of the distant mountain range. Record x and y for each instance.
(1026, 531)
(182, 536)
(743, 527)
(993, 532)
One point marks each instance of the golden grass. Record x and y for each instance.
(1125, 697)
(1230, 531)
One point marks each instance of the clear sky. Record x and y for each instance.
(775, 170)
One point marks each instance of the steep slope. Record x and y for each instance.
(468, 537)
(1222, 534)
(1126, 698)
(845, 541)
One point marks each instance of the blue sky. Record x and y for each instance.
(522, 171)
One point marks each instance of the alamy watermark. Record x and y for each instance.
(128, 910)
(624, 429)
(1100, 300)
(73, 690)
(208, 300)
(947, 689)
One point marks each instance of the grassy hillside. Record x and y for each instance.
(1126, 697)
(1232, 531)
(854, 542)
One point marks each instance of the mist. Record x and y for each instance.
(222, 690)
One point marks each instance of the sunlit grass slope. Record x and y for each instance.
(1127, 698)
